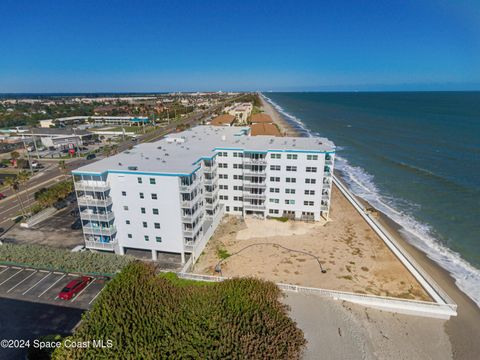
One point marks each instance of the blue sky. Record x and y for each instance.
(74, 46)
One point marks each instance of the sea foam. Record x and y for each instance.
(362, 184)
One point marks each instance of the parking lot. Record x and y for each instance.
(43, 286)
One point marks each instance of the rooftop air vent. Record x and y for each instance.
(119, 164)
(133, 168)
(159, 147)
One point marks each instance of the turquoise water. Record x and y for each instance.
(413, 155)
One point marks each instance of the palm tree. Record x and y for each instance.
(12, 183)
(22, 178)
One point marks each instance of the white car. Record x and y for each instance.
(79, 248)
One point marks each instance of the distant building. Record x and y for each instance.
(223, 120)
(264, 129)
(240, 111)
(169, 196)
(97, 120)
(60, 137)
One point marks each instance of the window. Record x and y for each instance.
(146, 238)
(125, 208)
(312, 157)
(129, 236)
(155, 211)
(290, 180)
(291, 168)
(274, 190)
(158, 238)
(223, 187)
(223, 176)
(157, 225)
(142, 196)
(292, 156)
(142, 210)
(127, 222)
(223, 165)
(152, 181)
(139, 180)
(154, 196)
(124, 193)
(275, 156)
(273, 211)
(310, 181)
(309, 192)
(275, 167)
(274, 179)
(290, 202)
(145, 224)
(237, 166)
(223, 197)
(275, 201)
(227, 208)
(311, 169)
(224, 154)
(237, 177)
(308, 203)
(289, 191)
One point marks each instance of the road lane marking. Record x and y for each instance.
(38, 282)
(29, 276)
(96, 295)
(52, 285)
(81, 291)
(6, 268)
(12, 276)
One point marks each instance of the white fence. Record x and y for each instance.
(401, 306)
(38, 218)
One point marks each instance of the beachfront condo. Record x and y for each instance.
(169, 196)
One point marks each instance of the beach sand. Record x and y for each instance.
(353, 255)
(463, 330)
(285, 128)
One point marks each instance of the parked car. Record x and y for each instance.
(71, 197)
(3, 166)
(91, 156)
(74, 287)
(2, 196)
(60, 204)
(74, 212)
(77, 225)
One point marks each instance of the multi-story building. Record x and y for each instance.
(169, 196)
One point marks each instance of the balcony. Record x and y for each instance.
(324, 207)
(189, 203)
(211, 194)
(91, 201)
(250, 206)
(98, 245)
(88, 215)
(188, 188)
(84, 185)
(254, 185)
(251, 173)
(251, 161)
(249, 195)
(328, 162)
(209, 181)
(190, 232)
(210, 169)
(106, 231)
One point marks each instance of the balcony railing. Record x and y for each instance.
(84, 185)
(250, 206)
(90, 201)
(100, 230)
(92, 244)
(254, 185)
(188, 188)
(189, 203)
(191, 231)
(251, 173)
(247, 160)
(324, 207)
(248, 195)
(211, 194)
(107, 216)
(210, 169)
(328, 162)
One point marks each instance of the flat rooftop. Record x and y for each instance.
(179, 153)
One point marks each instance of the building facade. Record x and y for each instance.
(170, 195)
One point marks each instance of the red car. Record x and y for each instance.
(2, 196)
(74, 287)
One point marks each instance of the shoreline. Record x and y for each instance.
(461, 329)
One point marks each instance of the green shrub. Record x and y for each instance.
(47, 257)
(223, 254)
(154, 317)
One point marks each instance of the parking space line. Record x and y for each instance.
(52, 285)
(85, 288)
(18, 272)
(6, 268)
(96, 295)
(38, 282)
(29, 276)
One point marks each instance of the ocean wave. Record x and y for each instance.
(418, 234)
(362, 184)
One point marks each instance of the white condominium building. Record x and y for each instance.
(168, 196)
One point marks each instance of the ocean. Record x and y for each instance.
(414, 156)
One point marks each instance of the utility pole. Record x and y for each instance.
(36, 148)
(28, 155)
